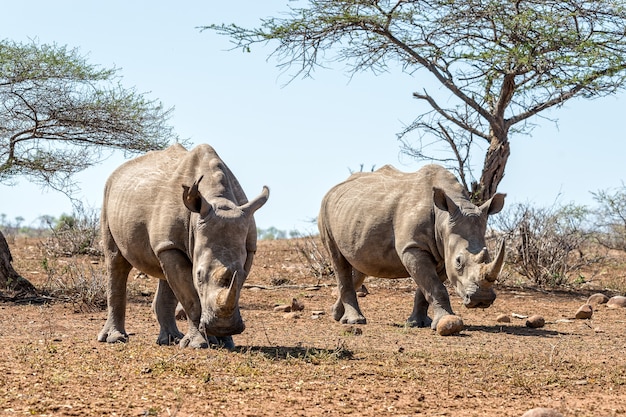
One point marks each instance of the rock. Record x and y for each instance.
(180, 312)
(285, 308)
(542, 412)
(296, 305)
(619, 301)
(584, 312)
(535, 321)
(503, 318)
(598, 298)
(449, 325)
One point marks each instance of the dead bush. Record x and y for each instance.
(76, 234)
(546, 245)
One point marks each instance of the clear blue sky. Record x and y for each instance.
(299, 139)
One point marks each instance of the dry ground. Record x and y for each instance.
(306, 365)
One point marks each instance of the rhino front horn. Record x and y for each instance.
(228, 297)
(493, 269)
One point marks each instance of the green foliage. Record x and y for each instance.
(60, 113)
(500, 63)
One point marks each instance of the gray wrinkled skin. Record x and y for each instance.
(180, 216)
(390, 224)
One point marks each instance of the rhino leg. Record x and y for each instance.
(423, 270)
(164, 306)
(346, 309)
(178, 272)
(419, 316)
(117, 270)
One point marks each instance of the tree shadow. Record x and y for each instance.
(309, 354)
(515, 330)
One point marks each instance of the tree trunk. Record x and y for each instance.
(493, 170)
(13, 283)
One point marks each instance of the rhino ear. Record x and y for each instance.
(494, 204)
(192, 197)
(442, 201)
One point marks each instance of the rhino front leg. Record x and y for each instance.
(422, 268)
(164, 306)
(178, 272)
(419, 316)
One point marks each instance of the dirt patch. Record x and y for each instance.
(305, 364)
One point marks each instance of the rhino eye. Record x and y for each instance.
(459, 262)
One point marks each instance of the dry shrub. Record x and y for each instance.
(313, 255)
(546, 245)
(76, 281)
(77, 234)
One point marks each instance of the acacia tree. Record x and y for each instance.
(500, 62)
(59, 115)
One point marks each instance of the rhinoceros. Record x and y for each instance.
(391, 224)
(180, 216)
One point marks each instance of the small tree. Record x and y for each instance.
(500, 62)
(60, 114)
(611, 218)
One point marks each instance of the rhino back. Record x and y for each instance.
(371, 218)
(143, 209)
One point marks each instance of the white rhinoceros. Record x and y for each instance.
(391, 224)
(180, 216)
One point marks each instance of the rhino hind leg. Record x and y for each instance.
(346, 309)
(118, 268)
(164, 306)
(419, 316)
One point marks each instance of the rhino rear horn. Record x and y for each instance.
(492, 270)
(192, 197)
(250, 207)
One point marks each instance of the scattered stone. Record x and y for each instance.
(296, 305)
(318, 312)
(503, 318)
(542, 412)
(180, 312)
(584, 312)
(292, 315)
(596, 299)
(518, 316)
(449, 325)
(535, 321)
(285, 308)
(619, 301)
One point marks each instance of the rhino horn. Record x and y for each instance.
(228, 298)
(492, 270)
(258, 202)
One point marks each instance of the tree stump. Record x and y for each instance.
(11, 282)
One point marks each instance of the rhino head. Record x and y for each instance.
(468, 264)
(221, 233)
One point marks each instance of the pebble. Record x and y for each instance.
(503, 318)
(542, 412)
(584, 312)
(449, 325)
(598, 298)
(535, 322)
(285, 308)
(618, 301)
